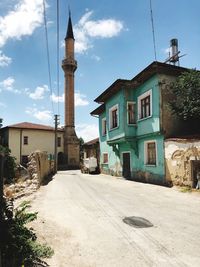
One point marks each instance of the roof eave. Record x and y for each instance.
(114, 87)
(99, 110)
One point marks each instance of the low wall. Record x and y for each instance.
(39, 166)
(180, 156)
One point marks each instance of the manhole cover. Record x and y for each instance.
(137, 222)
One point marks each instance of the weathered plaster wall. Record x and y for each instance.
(151, 124)
(37, 140)
(179, 155)
(14, 143)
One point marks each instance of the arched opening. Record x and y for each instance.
(61, 158)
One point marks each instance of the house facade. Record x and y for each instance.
(91, 149)
(134, 121)
(25, 138)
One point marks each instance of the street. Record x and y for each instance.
(81, 217)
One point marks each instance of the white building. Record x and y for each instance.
(24, 138)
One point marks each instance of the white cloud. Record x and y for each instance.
(42, 115)
(103, 28)
(22, 20)
(87, 131)
(38, 93)
(7, 85)
(56, 98)
(80, 99)
(4, 60)
(86, 29)
(95, 57)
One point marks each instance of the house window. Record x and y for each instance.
(113, 115)
(104, 130)
(145, 105)
(59, 142)
(150, 153)
(25, 140)
(130, 113)
(105, 158)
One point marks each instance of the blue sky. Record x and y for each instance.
(113, 40)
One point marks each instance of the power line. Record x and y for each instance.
(47, 48)
(58, 56)
(152, 25)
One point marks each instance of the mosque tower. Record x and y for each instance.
(69, 66)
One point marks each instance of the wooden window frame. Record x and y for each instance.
(147, 153)
(104, 128)
(145, 105)
(129, 121)
(114, 117)
(25, 140)
(59, 141)
(105, 161)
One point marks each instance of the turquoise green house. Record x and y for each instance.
(134, 121)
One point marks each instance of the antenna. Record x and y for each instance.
(174, 53)
(153, 32)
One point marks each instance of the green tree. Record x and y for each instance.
(9, 163)
(186, 92)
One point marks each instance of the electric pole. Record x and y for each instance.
(56, 143)
(1, 198)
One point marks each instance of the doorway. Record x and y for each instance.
(126, 172)
(195, 167)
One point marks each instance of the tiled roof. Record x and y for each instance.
(32, 126)
(154, 68)
(92, 142)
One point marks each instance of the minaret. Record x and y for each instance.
(69, 65)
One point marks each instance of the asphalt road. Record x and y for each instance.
(81, 217)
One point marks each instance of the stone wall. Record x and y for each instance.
(39, 166)
(182, 161)
(29, 180)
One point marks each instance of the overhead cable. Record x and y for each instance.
(58, 56)
(48, 57)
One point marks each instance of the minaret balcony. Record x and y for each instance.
(69, 61)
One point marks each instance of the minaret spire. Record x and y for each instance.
(70, 34)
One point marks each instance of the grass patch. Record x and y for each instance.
(186, 189)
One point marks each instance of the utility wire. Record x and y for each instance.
(47, 48)
(58, 56)
(152, 25)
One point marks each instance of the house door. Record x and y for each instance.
(126, 173)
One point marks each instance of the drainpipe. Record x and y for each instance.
(20, 146)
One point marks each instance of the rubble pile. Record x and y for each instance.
(29, 179)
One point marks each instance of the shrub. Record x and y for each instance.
(9, 163)
(19, 244)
